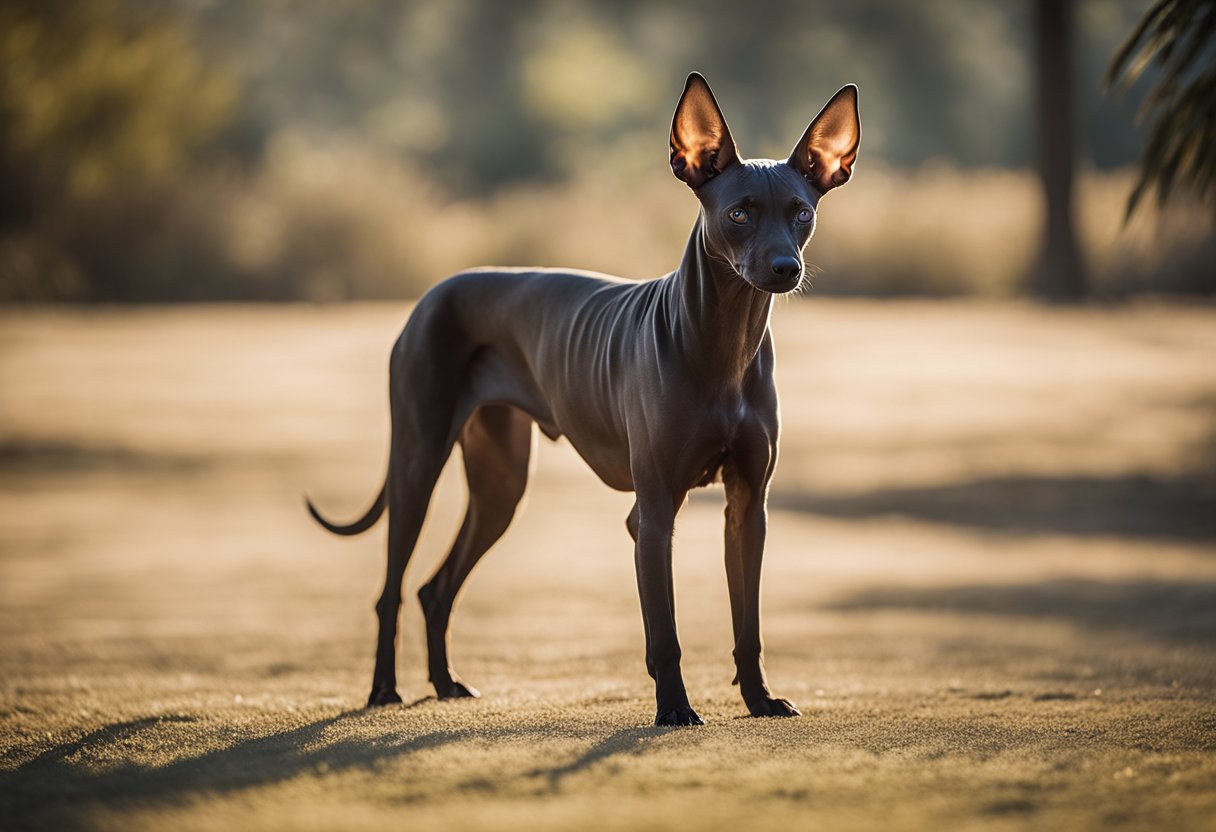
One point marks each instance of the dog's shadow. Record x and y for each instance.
(59, 789)
(55, 790)
(627, 741)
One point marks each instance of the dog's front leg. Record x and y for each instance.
(655, 515)
(746, 478)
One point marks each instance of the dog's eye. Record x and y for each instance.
(738, 216)
(804, 215)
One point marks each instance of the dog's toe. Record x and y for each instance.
(773, 706)
(678, 716)
(383, 697)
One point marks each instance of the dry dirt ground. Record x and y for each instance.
(990, 585)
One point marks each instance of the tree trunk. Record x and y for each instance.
(1059, 274)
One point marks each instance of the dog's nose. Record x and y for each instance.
(786, 267)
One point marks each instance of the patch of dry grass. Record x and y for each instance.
(990, 585)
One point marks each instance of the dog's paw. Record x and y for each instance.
(384, 696)
(678, 716)
(456, 690)
(773, 706)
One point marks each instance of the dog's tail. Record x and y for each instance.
(359, 526)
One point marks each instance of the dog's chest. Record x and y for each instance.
(723, 419)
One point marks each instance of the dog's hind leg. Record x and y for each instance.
(424, 430)
(497, 446)
(410, 483)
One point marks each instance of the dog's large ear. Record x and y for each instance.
(826, 152)
(701, 146)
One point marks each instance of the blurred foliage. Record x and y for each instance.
(487, 94)
(222, 149)
(94, 95)
(104, 111)
(1179, 37)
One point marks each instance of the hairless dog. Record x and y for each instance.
(661, 386)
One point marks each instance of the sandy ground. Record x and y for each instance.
(990, 586)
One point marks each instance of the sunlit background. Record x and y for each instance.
(990, 578)
(218, 149)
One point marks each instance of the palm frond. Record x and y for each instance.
(1179, 38)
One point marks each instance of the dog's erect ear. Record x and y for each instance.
(826, 152)
(701, 146)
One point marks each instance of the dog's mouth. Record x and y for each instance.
(778, 287)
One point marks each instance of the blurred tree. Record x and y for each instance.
(106, 109)
(1059, 275)
(95, 96)
(1179, 36)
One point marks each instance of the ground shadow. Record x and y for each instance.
(51, 791)
(1177, 612)
(55, 790)
(20, 457)
(628, 741)
(1182, 508)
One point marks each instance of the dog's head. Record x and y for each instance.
(759, 213)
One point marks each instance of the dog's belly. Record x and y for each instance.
(609, 464)
(496, 379)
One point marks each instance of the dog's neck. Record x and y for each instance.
(720, 317)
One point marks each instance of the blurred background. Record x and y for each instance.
(218, 149)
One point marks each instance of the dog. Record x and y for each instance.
(661, 386)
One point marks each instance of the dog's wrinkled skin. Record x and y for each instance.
(661, 386)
